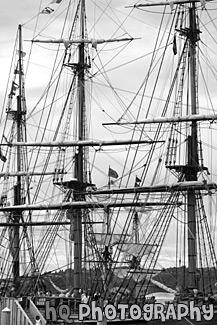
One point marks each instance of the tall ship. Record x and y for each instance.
(108, 176)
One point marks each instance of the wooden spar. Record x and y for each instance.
(78, 205)
(14, 174)
(80, 143)
(42, 223)
(94, 42)
(186, 118)
(182, 186)
(165, 3)
(179, 186)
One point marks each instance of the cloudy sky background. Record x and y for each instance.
(18, 12)
(14, 13)
(142, 24)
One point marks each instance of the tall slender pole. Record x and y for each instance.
(136, 227)
(17, 188)
(80, 157)
(192, 167)
(107, 243)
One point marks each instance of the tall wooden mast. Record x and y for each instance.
(80, 156)
(189, 172)
(192, 164)
(79, 183)
(16, 216)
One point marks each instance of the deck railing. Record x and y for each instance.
(34, 311)
(18, 315)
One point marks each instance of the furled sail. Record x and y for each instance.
(58, 289)
(135, 249)
(109, 239)
(162, 286)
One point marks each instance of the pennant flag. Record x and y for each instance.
(22, 53)
(55, 1)
(110, 182)
(203, 3)
(14, 87)
(171, 5)
(112, 173)
(2, 157)
(66, 43)
(174, 46)
(16, 71)
(4, 137)
(137, 181)
(47, 10)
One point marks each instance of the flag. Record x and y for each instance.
(47, 10)
(174, 46)
(4, 137)
(171, 5)
(112, 173)
(14, 87)
(2, 157)
(203, 3)
(21, 53)
(16, 71)
(137, 181)
(55, 1)
(110, 182)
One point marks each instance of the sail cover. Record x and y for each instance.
(136, 249)
(109, 239)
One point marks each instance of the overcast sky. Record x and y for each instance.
(14, 12)
(18, 12)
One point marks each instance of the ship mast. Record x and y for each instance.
(192, 164)
(16, 216)
(189, 171)
(79, 184)
(79, 165)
